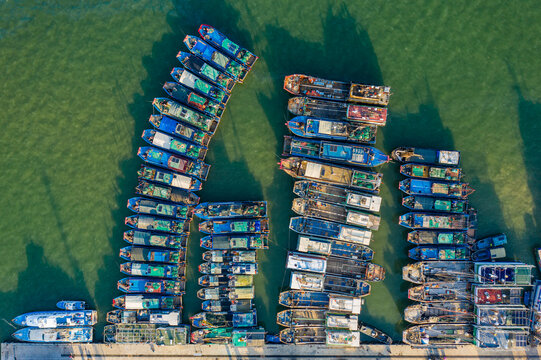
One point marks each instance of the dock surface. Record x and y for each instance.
(25, 351)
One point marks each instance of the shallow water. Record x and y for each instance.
(77, 85)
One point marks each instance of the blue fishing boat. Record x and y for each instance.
(151, 286)
(206, 71)
(489, 254)
(179, 164)
(428, 237)
(170, 143)
(447, 173)
(200, 48)
(328, 247)
(59, 335)
(145, 222)
(228, 47)
(310, 127)
(183, 113)
(140, 302)
(490, 242)
(435, 188)
(438, 221)
(329, 229)
(71, 305)
(426, 156)
(153, 270)
(253, 226)
(158, 317)
(175, 181)
(235, 242)
(186, 96)
(227, 305)
(153, 207)
(338, 152)
(226, 280)
(149, 238)
(135, 253)
(440, 252)
(304, 299)
(229, 210)
(224, 319)
(210, 268)
(200, 86)
(234, 256)
(180, 129)
(56, 318)
(425, 203)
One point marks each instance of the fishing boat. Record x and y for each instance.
(339, 213)
(158, 317)
(429, 237)
(357, 269)
(253, 226)
(164, 159)
(200, 48)
(166, 193)
(228, 47)
(431, 172)
(235, 242)
(488, 295)
(538, 257)
(304, 262)
(56, 318)
(229, 210)
(226, 280)
(145, 238)
(200, 68)
(425, 203)
(440, 312)
(490, 242)
(224, 319)
(186, 96)
(153, 270)
(135, 253)
(329, 284)
(145, 222)
(342, 338)
(175, 181)
(439, 335)
(327, 247)
(209, 268)
(376, 334)
(303, 335)
(301, 317)
(200, 86)
(426, 156)
(503, 338)
(183, 113)
(71, 305)
(337, 111)
(137, 302)
(503, 273)
(177, 146)
(341, 321)
(440, 252)
(329, 229)
(179, 129)
(336, 195)
(311, 127)
(438, 271)
(358, 155)
(503, 316)
(142, 205)
(304, 299)
(316, 171)
(435, 188)
(218, 293)
(421, 220)
(212, 336)
(79, 334)
(440, 291)
(235, 256)
(304, 85)
(489, 254)
(151, 286)
(227, 305)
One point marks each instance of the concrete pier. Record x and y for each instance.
(23, 351)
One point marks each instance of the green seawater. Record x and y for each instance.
(77, 83)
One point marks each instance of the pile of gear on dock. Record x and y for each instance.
(338, 205)
(151, 309)
(462, 296)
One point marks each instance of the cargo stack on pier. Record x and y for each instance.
(338, 206)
